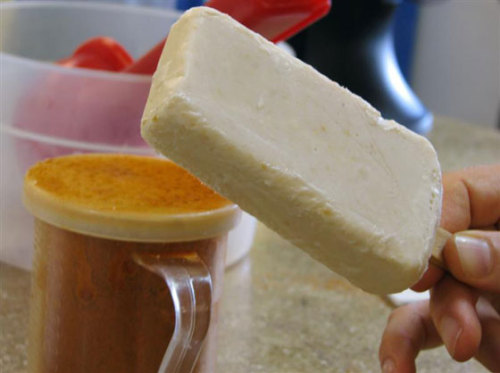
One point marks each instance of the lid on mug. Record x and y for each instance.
(126, 197)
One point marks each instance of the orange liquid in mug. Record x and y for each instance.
(94, 309)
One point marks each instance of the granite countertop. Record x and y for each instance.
(281, 311)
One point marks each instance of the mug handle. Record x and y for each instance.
(190, 285)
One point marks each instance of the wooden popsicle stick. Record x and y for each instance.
(442, 235)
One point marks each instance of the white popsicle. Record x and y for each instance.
(312, 161)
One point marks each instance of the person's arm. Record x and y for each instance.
(463, 311)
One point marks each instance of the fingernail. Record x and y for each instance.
(450, 332)
(474, 254)
(388, 366)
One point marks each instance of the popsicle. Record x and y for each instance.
(312, 161)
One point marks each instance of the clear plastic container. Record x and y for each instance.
(48, 110)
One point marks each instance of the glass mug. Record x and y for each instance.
(110, 232)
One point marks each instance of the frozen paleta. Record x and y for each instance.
(309, 159)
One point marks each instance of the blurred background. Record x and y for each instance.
(456, 60)
(448, 52)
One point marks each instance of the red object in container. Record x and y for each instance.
(276, 20)
(99, 53)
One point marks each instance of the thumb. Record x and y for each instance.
(473, 257)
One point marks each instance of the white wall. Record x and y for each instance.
(456, 67)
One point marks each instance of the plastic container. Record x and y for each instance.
(48, 111)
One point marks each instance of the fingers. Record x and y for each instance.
(489, 349)
(474, 331)
(471, 198)
(429, 278)
(467, 329)
(453, 310)
(473, 257)
(409, 330)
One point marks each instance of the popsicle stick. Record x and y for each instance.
(437, 259)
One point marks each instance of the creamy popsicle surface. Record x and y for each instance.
(309, 159)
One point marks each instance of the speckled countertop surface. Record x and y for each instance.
(282, 312)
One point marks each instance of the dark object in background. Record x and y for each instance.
(186, 4)
(354, 45)
(404, 30)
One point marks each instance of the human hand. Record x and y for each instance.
(464, 307)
